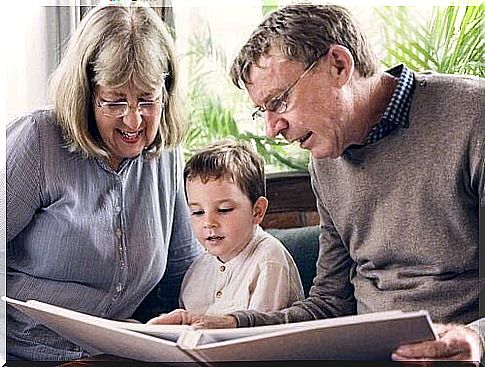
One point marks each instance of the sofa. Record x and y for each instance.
(292, 217)
(302, 243)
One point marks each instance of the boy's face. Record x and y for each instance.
(223, 217)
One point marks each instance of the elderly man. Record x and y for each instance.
(397, 168)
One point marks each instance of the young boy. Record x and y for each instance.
(243, 266)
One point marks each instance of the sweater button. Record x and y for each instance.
(218, 294)
(222, 268)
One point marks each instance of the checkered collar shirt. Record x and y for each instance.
(397, 112)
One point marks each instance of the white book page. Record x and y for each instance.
(97, 335)
(221, 335)
(168, 332)
(371, 337)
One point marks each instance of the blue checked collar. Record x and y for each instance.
(397, 111)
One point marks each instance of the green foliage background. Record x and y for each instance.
(447, 40)
(218, 110)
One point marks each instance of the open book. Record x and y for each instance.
(363, 337)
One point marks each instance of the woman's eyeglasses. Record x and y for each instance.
(279, 104)
(122, 108)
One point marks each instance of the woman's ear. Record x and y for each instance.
(341, 64)
(259, 209)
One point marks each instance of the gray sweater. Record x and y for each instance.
(399, 218)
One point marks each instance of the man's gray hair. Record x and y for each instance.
(305, 33)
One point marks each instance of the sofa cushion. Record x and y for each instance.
(302, 243)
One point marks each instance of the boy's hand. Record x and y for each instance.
(184, 317)
(175, 317)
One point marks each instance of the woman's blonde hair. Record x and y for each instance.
(112, 46)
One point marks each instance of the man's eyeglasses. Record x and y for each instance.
(278, 104)
(122, 108)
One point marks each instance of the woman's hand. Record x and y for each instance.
(184, 317)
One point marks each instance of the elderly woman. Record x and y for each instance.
(96, 212)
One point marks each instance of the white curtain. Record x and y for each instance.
(34, 37)
(31, 41)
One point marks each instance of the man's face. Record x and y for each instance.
(317, 112)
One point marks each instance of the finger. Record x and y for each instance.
(176, 311)
(188, 318)
(165, 319)
(198, 324)
(422, 350)
(441, 349)
(197, 320)
(184, 317)
(154, 321)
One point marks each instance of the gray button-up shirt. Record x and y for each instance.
(84, 237)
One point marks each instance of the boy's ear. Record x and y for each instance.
(259, 209)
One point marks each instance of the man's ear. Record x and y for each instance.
(259, 209)
(341, 64)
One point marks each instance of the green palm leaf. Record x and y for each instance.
(448, 41)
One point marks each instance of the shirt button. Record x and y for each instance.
(119, 287)
(118, 231)
(222, 268)
(218, 294)
(118, 209)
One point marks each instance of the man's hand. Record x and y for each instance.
(455, 342)
(184, 317)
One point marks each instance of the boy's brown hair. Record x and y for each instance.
(229, 159)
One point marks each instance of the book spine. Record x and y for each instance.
(189, 339)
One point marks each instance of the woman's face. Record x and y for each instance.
(126, 131)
